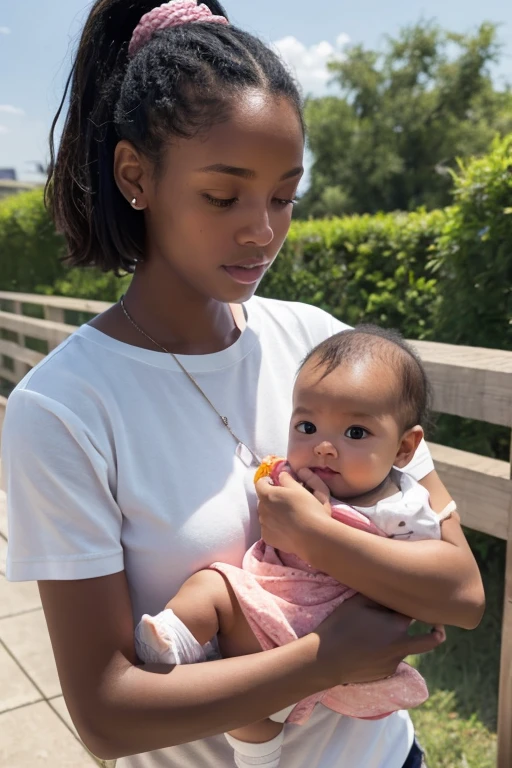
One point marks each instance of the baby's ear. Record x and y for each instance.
(408, 445)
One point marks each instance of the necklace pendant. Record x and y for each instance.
(244, 454)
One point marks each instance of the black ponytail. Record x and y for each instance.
(178, 84)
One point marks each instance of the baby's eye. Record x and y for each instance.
(356, 433)
(306, 427)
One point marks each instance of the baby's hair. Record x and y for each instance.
(390, 349)
(179, 84)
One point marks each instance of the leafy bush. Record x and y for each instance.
(88, 283)
(473, 255)
(363, 268)
(441, 275)
(30, 251)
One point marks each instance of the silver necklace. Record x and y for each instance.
(243, 451)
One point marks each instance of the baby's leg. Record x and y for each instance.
(205, 606)
(178, 636)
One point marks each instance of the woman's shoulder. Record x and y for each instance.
(306, 320)
(63, 381)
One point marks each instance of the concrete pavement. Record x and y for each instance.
(35, 727)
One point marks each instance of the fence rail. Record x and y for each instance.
(467, 381)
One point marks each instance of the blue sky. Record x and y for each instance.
(37, 38)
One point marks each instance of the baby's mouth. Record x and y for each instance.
(324, 471)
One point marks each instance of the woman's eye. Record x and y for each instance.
(356, 433)
(227, 202)
(306, 427)
(220, 202)
(284, 202)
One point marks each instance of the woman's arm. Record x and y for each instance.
(433, 581)
(121, 709)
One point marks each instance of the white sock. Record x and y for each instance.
(164, 639)
(267, 754)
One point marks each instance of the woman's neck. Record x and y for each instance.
(180, 321)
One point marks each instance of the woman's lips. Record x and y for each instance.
(246, 275)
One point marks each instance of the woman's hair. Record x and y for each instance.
(389, 348)
(178, 84)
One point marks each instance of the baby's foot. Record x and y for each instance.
(164, 639)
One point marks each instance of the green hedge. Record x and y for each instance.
(473, 255)
(30, 251)
(441, 275)
(363, 268)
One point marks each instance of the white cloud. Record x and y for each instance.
(309, 64)
(4, 129)
(5, 31)
(8, 109)
(342, 40)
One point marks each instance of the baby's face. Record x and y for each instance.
(344, 427)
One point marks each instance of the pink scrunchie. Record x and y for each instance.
(170, 15)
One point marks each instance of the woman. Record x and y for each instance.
(129, 452)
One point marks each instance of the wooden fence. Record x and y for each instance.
(470, 382)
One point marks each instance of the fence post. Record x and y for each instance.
(505, 695)
(20, 369)
(54, 313)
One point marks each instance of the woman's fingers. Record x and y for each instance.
(362, 641)
(423, 643)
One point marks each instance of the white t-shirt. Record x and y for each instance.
(112, 460)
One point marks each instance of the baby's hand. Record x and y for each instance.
(289, 513)
(317, 487)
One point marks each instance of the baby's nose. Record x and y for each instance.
(326, 448)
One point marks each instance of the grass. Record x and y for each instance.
(457, 725)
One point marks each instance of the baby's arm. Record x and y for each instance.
(434, 581)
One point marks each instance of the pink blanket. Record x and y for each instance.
(283, 598)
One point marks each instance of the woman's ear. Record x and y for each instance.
(130, 173)
(408, 445)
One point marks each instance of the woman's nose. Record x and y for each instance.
(256, 231)
(325, 448)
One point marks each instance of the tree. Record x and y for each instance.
(404, 117)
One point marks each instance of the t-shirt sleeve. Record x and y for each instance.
(337, 326)
(63, 520)
(421, 464)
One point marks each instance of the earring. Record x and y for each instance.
(134, 205)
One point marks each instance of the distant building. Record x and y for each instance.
(8, 174)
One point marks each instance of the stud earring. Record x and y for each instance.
(134, 205)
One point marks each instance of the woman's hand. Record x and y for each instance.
(362, 641)
(289, 512)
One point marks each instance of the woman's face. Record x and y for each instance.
(219, 213)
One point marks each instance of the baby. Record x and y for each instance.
(359, 401)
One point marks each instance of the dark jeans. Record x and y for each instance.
(415, 758)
